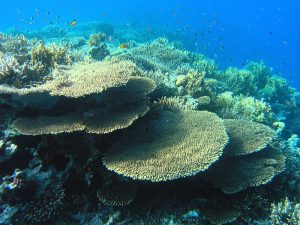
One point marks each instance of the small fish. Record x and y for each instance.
(123, 46)
(110, 38)
(73, 23)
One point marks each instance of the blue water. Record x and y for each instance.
(230, 31)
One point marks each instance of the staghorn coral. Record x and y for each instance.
(247, 81)
(176, 144)
(252, 109)
(239, 81)
(238, 173)
(257, 80)
(28, 61)
(205, 65)
(278, 90)
(45, 58)
(285, 213)
(43, 210)
(241, 107)
(175, 102)
(192, 82)
(17, 44)
(9, 69)
(246, 137)
(116, 193)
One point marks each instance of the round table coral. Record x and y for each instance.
(175, 144)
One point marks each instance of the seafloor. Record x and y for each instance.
(114, 125)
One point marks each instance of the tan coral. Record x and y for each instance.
(109, 121)
(176, 144)
(83, 79)
(93, 78)
(246, 137)
(49, 125)
(99, 122)
(238, 173)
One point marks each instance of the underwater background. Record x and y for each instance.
(138, 112)
(231, 32)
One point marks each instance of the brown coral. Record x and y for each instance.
(235, 174)
(246, 137)
(99, 121)
(176, 144)
(220, 215)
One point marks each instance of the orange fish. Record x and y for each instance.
(73, 23)
(123, 46)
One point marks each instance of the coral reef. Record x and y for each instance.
(23, 62)
(85, 142)
(92, 115)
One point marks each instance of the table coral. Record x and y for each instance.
(176, 144)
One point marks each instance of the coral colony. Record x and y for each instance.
(150, 133)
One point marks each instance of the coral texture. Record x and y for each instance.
(176, 144)
(246, 137)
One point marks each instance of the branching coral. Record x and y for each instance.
(241, 107)
(193, 83)
(176, 144)
(9, 68)
(257, 80)
(28, 61)
(43, 210)
(98, 49)
(285, 213)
